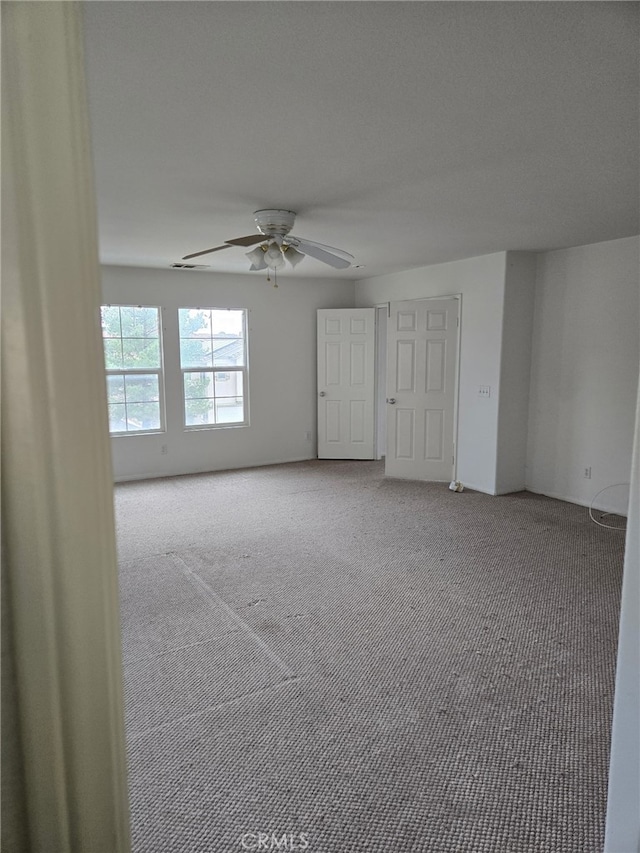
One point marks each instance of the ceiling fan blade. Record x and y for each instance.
(321, 255)
(339, 252)
(206, 252)
(251, 240)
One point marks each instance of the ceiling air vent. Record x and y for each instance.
(189, 266)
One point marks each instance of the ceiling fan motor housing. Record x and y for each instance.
(274, 221)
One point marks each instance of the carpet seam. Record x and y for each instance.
(204, 586)
(179, 720)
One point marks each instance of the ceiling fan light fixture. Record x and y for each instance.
(257, 258)
(273, 257)
(292, 255)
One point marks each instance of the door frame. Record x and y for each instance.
(380, 406)
(456, 393)
(381, 403)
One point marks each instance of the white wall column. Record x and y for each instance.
(515, 371)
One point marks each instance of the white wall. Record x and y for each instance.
(481, 283)
(515, 370)
(584, 372)
(623, 820)
(282, 368)
(583, 377)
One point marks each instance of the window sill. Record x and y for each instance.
(208, 427)
(137, 433)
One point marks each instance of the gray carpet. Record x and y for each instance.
(376, 665)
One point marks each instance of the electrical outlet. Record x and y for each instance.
(587, 473)
(164, 449)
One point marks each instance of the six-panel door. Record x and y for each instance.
(346, 389)
(422, 347)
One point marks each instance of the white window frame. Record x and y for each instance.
(141, 371)
(242, 369)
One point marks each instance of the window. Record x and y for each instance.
(213, 358)
(133, 360)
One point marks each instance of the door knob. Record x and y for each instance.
(322, 394)
(391, 400)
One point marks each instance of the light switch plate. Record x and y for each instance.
(484, 390)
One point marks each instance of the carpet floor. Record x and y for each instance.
(320, 658)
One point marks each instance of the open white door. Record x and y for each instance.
(346, 383)
(422, 347)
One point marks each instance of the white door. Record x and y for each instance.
(346, 386)
(422, 345)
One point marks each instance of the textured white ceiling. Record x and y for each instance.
(407, 133)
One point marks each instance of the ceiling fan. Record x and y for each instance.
(277, 244)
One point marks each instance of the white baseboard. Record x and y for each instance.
(474, 488)
(129, 478)
(599, 506)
